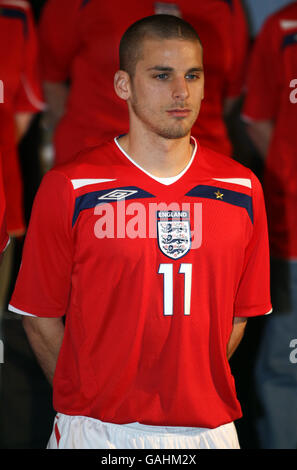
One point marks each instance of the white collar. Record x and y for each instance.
(164, 180)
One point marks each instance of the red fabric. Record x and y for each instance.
(57, 434)
(141, 343)
(12, 178)
(270, 96)
(20, 76)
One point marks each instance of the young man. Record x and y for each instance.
(155, 249)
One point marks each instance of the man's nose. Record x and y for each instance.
(180, 90)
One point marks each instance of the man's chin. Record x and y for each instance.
(178, 131)
(174, 133)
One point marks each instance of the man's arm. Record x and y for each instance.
(229, 104)
(260, 133)
(56, 95)
(239, 324)
(45, 336)
(22, 124)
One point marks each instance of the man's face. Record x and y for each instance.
(167, 87)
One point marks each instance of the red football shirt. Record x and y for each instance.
(150, 277)
(20, 91)
(83, 47)
(271, 95)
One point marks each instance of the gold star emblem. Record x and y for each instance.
(219, 195)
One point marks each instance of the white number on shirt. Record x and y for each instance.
(167, 270)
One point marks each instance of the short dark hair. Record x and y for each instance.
(159, 26)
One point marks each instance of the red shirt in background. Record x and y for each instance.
(79, 41)
(271, 96)
(21, 88)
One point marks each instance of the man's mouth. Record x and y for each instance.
(179, 112)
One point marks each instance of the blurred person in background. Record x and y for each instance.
(22, 98)
(20, 104)
(270, 113)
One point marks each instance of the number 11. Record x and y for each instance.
(167, 270)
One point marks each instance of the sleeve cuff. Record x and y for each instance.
(13, 309)
(5, 245)
(39, 314)
(254, 312)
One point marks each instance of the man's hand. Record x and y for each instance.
(56, 95)
(260, 133)
(22, 124)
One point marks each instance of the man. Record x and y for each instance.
(20, 99)
(270, 113)
(78, 72)
(155, 248)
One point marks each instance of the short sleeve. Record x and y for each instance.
(58, 38)
(262, 88)
(44, 279)
(29, 97)
(253, 293)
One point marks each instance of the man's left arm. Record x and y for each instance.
(239, 324)
(252, 296)
(22, 123)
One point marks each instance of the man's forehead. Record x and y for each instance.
(169, 49)
(157, 44)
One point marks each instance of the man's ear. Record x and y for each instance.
(122, 84)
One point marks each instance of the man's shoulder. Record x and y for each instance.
(286, 12)
(282, 21)
(90, 162)
(220, 163)
(232, 174)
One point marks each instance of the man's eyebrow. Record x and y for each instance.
(160, 68)
(195, 69)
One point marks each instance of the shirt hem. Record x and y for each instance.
(255, 313)
(25, 312)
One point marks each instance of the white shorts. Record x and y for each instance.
(80, 432)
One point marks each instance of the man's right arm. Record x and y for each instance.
(45, 336)
(260, 132)
(56, 95)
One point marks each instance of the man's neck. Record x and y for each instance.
(158, 156)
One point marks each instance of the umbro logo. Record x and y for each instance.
(118, 194)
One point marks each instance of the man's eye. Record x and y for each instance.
(192, 76)
(162, 76)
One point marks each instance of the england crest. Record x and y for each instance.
(174, 233)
